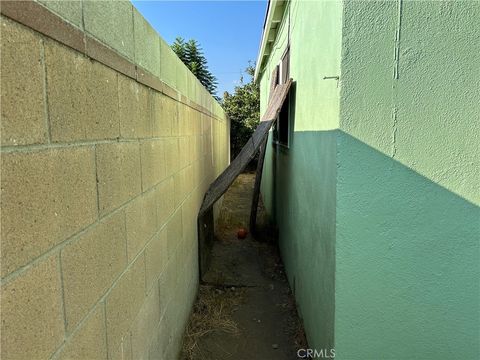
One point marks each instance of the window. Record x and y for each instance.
(281, 131)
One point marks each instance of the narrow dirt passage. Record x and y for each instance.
(245, 309)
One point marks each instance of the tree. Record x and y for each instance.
(191, 54)
(243, 109)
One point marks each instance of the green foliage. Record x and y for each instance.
(243, 109)
(191, 54)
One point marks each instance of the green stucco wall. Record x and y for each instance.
(408, 222)
(377, 199)
(291, 176)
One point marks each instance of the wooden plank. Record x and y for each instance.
(220, 185)
(256, 187)
(223, 182)
(279, 95)
(274, 81)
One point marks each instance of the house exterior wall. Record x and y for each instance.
(291, 176)
(377, 199)
(102, 177)
(408, 219)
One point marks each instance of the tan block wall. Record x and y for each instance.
(102, 178)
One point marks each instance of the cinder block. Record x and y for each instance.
(165, 201)
(174, 233)
(163, 114)
(135, 114)
(88, 342)
(166, 284)
(191, 88)
(208, 146)
(195, 147)
(200, 93)
(147, 45)
(180, 258)
(66, 92)
(181, 76)
(32, 319)
(183, 184)
(203, 146)
(90, 265)
(176, 121)
(182, 284)
(156, 257)
(179, 187)
(101, 102)
(182, 119)
(153, 162)
(168, 60)
(207, 168)
(47, 196)
(124, 349)
(190, 115)
(197, 194)
(119, 174)
(123, 304)
(197, 123)
(82, 96)
(207, 127)
(145, 324)
(155, 352)
(184, 155)
(193, 275)
(23, 109)
(70, 10)
(189, 218)
(100, 17)
(174, 327)
(192, 148)
(171, 156)
(141, 217)
(160, 342)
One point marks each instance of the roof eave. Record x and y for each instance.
(273, 18)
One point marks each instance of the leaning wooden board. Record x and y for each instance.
(221, 184)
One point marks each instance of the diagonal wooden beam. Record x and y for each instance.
(220, 185)
(256, 187)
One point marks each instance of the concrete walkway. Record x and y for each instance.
(248, 274)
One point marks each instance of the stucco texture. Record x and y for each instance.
(377, 198)
(307, 223)
(408, 222)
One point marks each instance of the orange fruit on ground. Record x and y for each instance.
(242, 233)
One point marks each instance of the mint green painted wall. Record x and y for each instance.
(292, 176)
(407, 262)
(377, 200)
(428, 115)
(408, 222)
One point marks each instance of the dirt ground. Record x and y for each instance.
(245, 309)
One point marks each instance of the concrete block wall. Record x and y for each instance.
(103, 171)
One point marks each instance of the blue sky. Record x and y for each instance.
(228, 31)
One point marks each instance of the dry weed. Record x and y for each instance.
(212, 311)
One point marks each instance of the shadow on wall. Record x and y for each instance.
(303, 178)
(383, 261)
(407, 261)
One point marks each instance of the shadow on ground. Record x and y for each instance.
(244, 309)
